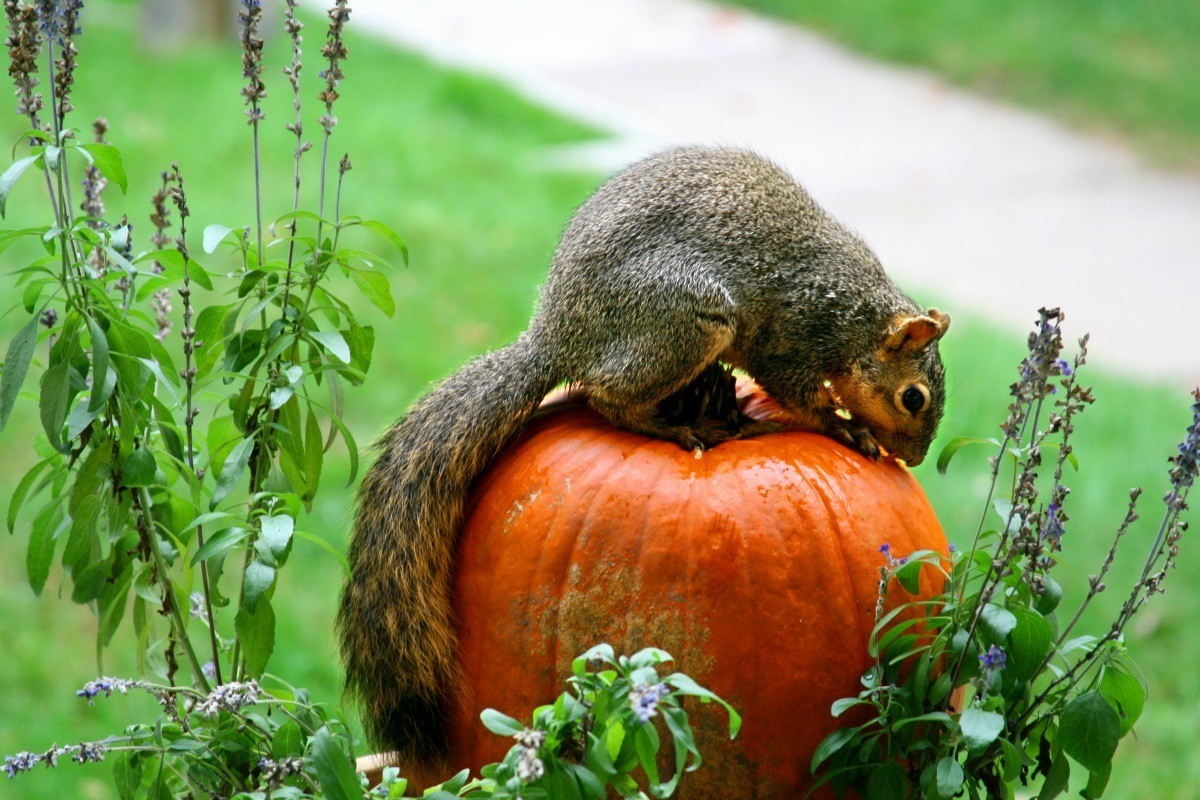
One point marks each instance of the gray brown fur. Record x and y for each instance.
(686, 258)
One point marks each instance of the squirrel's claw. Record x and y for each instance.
(858, 437)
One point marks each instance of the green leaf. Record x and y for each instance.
(127, 773)
(231, 471)
(334, 771)
(940, 717)
(214, 235)
(1029, 642)
(1097, 783)
(314, 454)
(23, 488)
(90, 479)
(219, 543)
(10, 178)
(375, 287)
(111, 606)
(381, 229)
(89, 581)
(42, 541)
(159, 790)
(275, 539)
(589, 783)
(255, 583)
(980, 728)
(361, 339)
(102, 385)
(614, 740)
(204, 519)
(909, 576)
(949, 777)
(55, 397)
(1089, 729)
(256, 632)
(954, 445)
(1056, 779)
(289, 741)
(500, 724)
(687, 686)
(458, 781)
(887, 782)
(328, 548)
(335, 343)
(840, 707)
(645, 744)
(1014, 759)
(1050, 597)
(997, 621)
(830, 745)
(139, 468)
(16, 366)
(172, 269)
(108, 160)
(1125, 691)
(82, 533)
(210, 336)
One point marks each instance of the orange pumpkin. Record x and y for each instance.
(755, 564)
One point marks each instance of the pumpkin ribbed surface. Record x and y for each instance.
(755, 565)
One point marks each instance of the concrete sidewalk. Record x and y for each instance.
(991, 210)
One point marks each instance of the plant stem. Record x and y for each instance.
(189, 376)
(160, 566)
(258, 193)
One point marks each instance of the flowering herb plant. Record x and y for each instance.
(596, 735)
(989, 684)
(179, 452)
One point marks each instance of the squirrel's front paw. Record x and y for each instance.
(858, 437)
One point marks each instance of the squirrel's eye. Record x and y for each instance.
(913, 399)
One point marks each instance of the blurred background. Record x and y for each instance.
(998, 156)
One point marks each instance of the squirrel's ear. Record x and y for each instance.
(911, 334)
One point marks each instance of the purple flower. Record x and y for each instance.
(1064, 367)
(892, 561)
(21, 762)
(1052, 531)
(993, 660)
(644, 700)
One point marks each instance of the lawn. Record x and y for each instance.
(455, 164)
(1118, 67)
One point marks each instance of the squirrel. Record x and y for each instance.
(687, 258)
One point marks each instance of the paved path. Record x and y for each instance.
(997, 210)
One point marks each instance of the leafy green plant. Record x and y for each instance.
(989, 685)
(592, 739)
(175, 470)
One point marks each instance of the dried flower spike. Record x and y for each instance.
(335, 51)
(67, 28)
(24, 43)
(94, 181)
(249, 18)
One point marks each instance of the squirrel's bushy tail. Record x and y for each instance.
(395, 626)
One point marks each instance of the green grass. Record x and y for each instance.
(453, 162)
(1121, 67)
